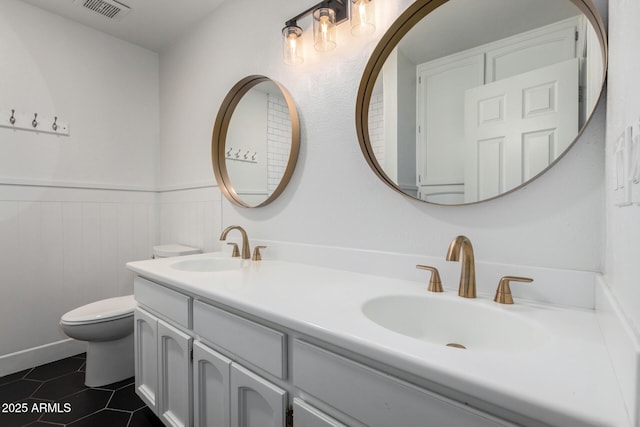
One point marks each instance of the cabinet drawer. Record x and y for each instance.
(164, 301)
(375, 398)
(255, 343)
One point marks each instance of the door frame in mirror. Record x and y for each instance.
(390, 40)
(219, 137)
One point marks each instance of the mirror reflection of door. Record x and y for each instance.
(516, 127)
(435, 85)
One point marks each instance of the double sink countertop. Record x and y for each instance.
(558, 371)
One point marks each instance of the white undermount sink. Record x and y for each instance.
(203, 265)
(454, 321)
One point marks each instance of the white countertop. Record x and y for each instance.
(567, 381)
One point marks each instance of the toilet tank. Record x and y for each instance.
(166, 251)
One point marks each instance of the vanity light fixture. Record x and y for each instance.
(326, 15)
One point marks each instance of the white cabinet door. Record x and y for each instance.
(305, 415)
(211, 387)
(146, 356)
(255, 402)
(174, 376)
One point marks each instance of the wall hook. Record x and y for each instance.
(254, 156)
(22, 120)
(238, 153)
(229, 151)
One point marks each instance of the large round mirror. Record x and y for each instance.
(255, 143)
(465, 100)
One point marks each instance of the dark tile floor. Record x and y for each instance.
(55, 395)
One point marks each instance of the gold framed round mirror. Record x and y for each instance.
(463, 101)
(255, 142)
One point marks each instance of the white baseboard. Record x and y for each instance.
(623, 346)
(31, 357)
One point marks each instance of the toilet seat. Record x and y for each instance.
(100, 311)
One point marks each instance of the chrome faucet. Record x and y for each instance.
(462, 244)
(246, 250)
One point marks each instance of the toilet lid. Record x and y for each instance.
(99, 311)
(166, 251)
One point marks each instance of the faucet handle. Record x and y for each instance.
(256, 253)
(435, 284)
(235, 252)
(503, 293)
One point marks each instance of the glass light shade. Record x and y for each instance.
(363, 17)
(292, 45)
(324, 29)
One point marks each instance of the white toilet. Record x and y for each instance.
(107, 326)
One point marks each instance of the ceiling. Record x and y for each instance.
(152, 24)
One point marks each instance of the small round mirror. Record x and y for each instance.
(255, 143)
(466, 100)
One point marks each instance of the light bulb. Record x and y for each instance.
(362, 17)
(324, 29)
(291, 46)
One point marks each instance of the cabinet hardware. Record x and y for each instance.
(289, 417)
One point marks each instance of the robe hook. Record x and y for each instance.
(54, 126)
(34, 122)
(12, 119)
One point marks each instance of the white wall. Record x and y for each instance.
(69, 219)
(622, 254)
(333, 197)
(105, 88)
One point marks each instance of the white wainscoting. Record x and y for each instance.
(61, 248)
(191, 217)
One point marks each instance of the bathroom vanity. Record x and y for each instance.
(222, 341)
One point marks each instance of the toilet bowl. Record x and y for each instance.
(107, 326)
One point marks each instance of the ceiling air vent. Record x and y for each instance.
(108, 8)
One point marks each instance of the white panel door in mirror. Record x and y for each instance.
(516, 127)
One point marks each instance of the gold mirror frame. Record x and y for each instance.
(219, 137)
(414, 14)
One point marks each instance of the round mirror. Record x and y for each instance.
(255, 143)
(465, 100)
